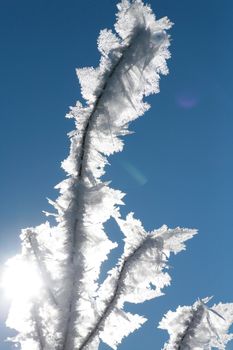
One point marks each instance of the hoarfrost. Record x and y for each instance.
(71, 310)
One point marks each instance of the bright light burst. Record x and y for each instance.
(20, 279)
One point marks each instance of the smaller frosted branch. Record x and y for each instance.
(30, 237)
(119, 287)
(198, 327)
(138, 276)
(38, 326)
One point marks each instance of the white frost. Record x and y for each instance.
(198, 327)
(71, 311)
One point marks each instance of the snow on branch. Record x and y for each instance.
(30, 239)
(138, 276)
(129, 69)
(70, 310)
(198, 326)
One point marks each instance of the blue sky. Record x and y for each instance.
(176, 169)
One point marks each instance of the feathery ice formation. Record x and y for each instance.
(198, 327)
(71, 310)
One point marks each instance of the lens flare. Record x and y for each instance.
(20, 279)
(136, 174)
(187, 100)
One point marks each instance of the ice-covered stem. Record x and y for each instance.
(138, 276)
(129, 69)
(124, 51)
(29, 236)
(198, 327)
(69, 255)
(25, 315)
(123, 269)
(103, 90)
(38, 326)
(32, 337)
(32, 252)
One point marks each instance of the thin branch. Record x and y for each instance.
(98, 101)
(190, 325)
(38, 327)
(115, 296)
(80, 170)
(41, 267)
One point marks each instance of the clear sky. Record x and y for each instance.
(176, 169)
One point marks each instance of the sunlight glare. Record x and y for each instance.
(20, 279)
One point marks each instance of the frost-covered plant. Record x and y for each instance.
(198, 327)
(65, 306)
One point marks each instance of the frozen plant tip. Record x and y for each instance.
(198, 327)
(71, 309)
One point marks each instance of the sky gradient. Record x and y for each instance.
(177, 168)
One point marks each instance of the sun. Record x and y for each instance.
(21, 279)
